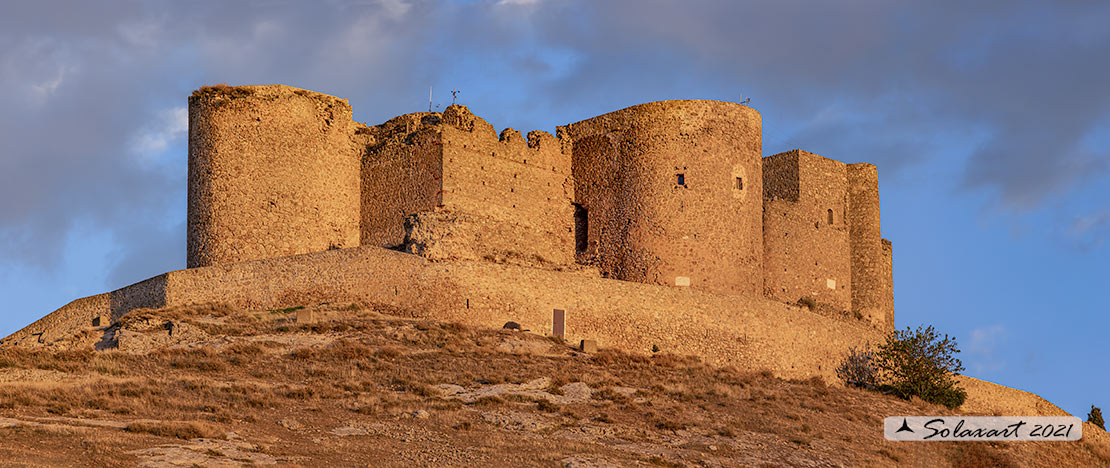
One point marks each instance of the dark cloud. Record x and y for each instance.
(1015, 86)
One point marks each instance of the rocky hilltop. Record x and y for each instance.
(357, 384)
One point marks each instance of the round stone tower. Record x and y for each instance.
(273, 171)
(869, 275)
(671, 193)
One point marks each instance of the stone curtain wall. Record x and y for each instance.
(402, 174)
(72, 317)
(514, 189)
(273, 171)
(866, 243)
(780, 177)
(746, 332)
(647, 225)
(92, 312)
(804, 255)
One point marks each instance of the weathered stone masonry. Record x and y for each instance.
(273, 171)
(673, 195)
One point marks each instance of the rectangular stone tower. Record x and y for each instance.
(805, 229)
(450, 188)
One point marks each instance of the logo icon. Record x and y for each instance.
(905, 427)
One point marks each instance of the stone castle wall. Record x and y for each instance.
(448, 187)
(511, 186)
(888, 284)
(273, 171)
(671, 194)
(402, 174)
(747, 332)
(805, 229)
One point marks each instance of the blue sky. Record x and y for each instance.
(989, 122)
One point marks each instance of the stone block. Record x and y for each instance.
(558, 322)
(588, 346)
(305, 316)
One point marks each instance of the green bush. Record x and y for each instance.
(920, 363)
(858, 369)
(1095, 417)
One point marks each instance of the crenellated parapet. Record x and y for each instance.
(447, 186)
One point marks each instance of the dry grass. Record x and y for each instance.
(180, 430)
(371, 365)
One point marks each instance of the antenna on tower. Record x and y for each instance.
(429, 98)
(744, 101)
(454, 93)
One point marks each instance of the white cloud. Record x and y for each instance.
(983, 347)
(45, 89)
(395, 9)
(1090, 230)
(169, 127)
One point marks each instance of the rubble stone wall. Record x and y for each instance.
(805, 229)
(273, 171)
(672, 194)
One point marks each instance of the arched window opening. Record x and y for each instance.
(830, 217)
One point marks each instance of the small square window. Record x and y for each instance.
(739, 183)
(681, 179)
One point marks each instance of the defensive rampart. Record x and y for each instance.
(749, 333)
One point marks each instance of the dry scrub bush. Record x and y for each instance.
(244, 348)
(202, 359)
(858, 369)
(1095, 417)
(180, 430)
(61, 361)
(911, 363)
(921, 363)
(979, 454)
(545, 405)
(608, 393)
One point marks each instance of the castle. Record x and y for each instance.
(656, 225)
(673, 193)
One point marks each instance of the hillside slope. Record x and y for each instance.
(362, 385)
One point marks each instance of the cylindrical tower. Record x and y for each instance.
(888, 283)
(273, 171)
(670, 193)
(865, 241)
